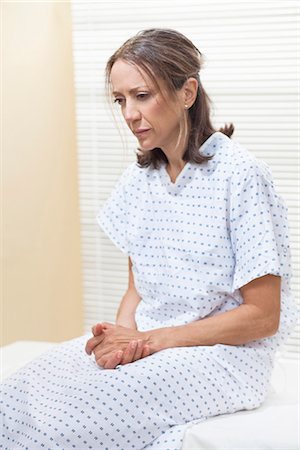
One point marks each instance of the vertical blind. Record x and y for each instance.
(251, 58)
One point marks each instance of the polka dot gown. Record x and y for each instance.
(193, 244)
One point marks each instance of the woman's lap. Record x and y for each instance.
(64, 400)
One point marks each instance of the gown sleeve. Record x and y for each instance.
(113, 216)
(258, 225)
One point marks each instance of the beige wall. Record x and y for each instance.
(42, 294)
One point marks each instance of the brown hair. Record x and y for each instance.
(168, 55)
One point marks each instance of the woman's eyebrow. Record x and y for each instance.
(133, 90)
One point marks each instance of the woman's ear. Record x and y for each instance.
(190, 89)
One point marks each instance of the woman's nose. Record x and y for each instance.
(131, 112)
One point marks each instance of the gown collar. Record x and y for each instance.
(208, 148)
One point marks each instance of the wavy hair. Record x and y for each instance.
(167, 55)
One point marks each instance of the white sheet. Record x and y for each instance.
(273, 426)
(16, 355)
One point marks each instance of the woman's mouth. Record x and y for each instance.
(141, 132)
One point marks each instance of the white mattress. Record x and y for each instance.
(273, 426)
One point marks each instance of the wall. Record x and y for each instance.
(41, 267)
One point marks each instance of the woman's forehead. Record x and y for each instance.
(125, 76)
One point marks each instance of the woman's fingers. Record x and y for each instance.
(97, 329)
(129, 352)
(92, 343)
(113, 360)
(138, 350)
(104, 345)
(146, 351)
(134, 351)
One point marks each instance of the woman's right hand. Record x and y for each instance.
(135, 350)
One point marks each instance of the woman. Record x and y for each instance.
(208, 300)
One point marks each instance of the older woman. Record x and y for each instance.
(208, 300)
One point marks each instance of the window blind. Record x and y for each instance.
(251, 58)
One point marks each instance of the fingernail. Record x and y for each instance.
(133, 344)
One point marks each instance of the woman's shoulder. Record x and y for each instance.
(247, 164)
(240, 161)
(231, 159)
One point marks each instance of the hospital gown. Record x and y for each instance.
(193, 243)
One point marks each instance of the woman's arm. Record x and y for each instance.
(127, 349)
(256, 318)
(129, 302)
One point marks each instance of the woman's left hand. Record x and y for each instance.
(110, 340)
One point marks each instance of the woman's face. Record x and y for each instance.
(153, 120)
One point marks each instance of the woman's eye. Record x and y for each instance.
(118, 100)
(142, 96)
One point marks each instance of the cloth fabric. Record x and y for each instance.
(195, 242)
(192, 243)
(63, 400)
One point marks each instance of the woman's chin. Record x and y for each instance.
(146, 149)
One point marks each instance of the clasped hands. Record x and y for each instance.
(114, 344)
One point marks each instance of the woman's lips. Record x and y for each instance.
(141, 132)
